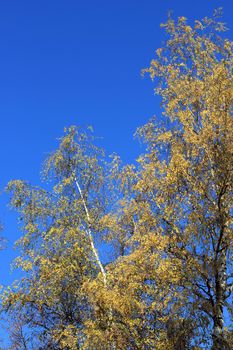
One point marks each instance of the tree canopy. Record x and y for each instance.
(166, 220)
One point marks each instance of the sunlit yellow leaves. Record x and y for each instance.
(67, 338)
(166, 220)
(165, 137)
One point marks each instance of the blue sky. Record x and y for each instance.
(69, 62)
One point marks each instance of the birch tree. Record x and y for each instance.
(187, 173)
(58, 249)
(167, 219)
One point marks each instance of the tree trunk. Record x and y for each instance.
(218, 337)
(219, 343)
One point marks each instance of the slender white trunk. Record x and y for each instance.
(94, 250)
(219, 342)
(88, 231)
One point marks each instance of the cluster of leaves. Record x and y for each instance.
(167, 221)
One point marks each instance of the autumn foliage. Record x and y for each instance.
(166, 220)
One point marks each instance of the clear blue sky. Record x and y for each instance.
(69, 62)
